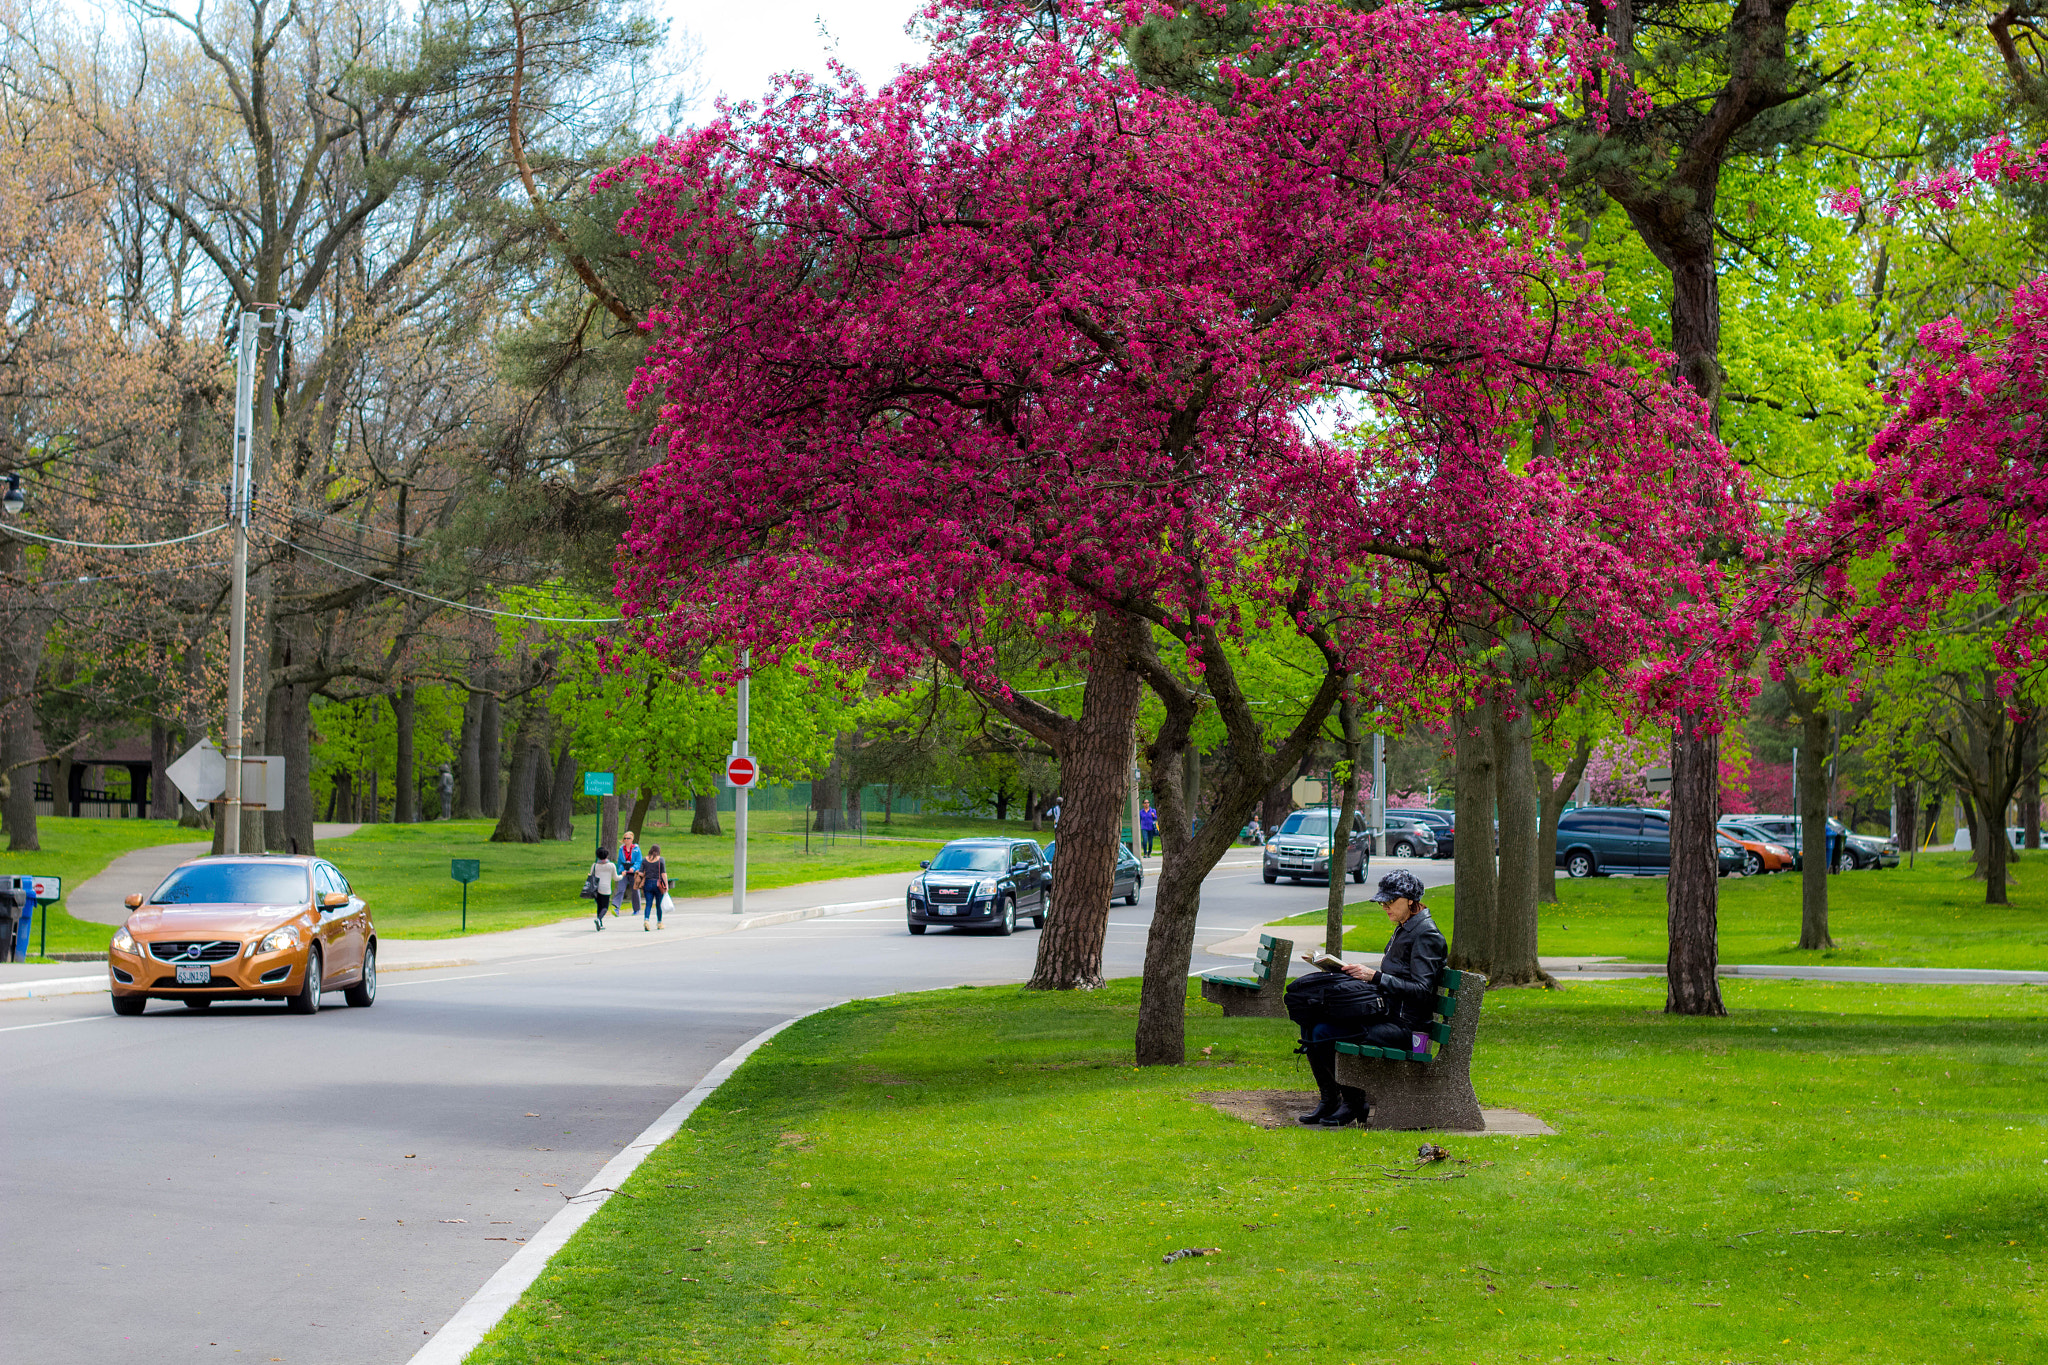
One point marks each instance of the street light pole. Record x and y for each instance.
(238, 591)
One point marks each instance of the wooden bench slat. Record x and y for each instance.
(1250, 983)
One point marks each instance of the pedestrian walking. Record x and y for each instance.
(1052, 812)
(653, 887)
(1148, 825)
(629, 873)
(602, 875)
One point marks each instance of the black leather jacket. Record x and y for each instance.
(1412, 970)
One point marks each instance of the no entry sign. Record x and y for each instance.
(740, 771)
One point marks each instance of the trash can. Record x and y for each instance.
(17, 906)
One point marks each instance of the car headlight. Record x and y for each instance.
(984, 889)
(124, 942)
(279, 940)
(1780, 850)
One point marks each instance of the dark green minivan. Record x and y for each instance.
(1596, 841)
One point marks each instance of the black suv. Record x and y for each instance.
(981, 884)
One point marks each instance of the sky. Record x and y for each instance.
(745, 43)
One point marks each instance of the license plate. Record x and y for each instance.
(949, 909)
(201, 975)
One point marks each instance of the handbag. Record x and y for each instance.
(1333, 995)
(589, 891)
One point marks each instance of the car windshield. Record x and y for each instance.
(234, 884)
(1314, 823)
(959, 858)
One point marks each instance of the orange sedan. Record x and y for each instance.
(1760, 853)
(245, 928)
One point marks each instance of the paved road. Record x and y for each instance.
(249, 1184)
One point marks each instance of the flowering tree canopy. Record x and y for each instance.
(1017, 339)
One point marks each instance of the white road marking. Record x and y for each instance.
(433, 980)
(52, 1023)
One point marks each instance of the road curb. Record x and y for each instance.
(462, 1333)
(55, 985)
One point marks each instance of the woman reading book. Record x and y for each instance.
(1348, 1002)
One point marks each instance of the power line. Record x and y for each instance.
(97, 545)
(444, 601)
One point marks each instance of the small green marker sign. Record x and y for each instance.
(597, 784)
(465, 870)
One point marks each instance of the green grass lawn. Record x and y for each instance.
(402, 870)
(1931, 915)
(1834, 1172)
(82, 848)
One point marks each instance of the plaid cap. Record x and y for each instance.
(1395, 885)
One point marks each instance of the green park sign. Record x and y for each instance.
(597, 784)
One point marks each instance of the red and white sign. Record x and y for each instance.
(741, 771)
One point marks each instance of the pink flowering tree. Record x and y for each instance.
(1015, 343)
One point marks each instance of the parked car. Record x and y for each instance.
(1442, 823)
(1764, 854)
(1130, 874)
(1874, 851)
(1732, 855)
(2016, 835)
(1408, 837)
(981, 884)
(1789, 830)
(1598, 841)
(1301, 847)
(245, 928)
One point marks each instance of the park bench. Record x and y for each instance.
(1262, 995)
(1423, 1090)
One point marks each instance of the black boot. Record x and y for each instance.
(1352, 1107)
(1322, 1064)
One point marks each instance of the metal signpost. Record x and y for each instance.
(597, 784)
(465, 870)
(47, 889)
(741, 772)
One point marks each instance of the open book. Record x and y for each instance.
(1323, 962)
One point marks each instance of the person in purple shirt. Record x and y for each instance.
(1148, 825)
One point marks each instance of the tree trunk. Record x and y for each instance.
(825, 794)
(405, 809)
(22, 634)
(1273, 808)
(1340, 838)
(1691, 905)
(372, 810)
(163, 797)
(1094, 775)
(1555, 791)
(1476, 896)
(704, 813)
(469, 761)
(641, 803)
(608, 822)
(561, 821)
(1906, 800)
(543, 789)
(490, 756)
(1514, 958)
(1813, 819)
(2030, 789)
(1002, 803)
(518, 823)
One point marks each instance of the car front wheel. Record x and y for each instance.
(1271, 876)
(364, 993)
(130, 1004)
(1752, 865)
(307, 1001)
(1580, 865)
(917, 928)
(1008, 924)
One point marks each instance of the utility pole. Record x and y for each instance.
(238, 592)
(1379, 793)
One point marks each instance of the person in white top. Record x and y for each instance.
(603, 871)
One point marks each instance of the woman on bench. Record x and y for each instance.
(1361, 1005)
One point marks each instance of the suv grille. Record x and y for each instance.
(182, 951)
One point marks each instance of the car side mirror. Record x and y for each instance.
(132, 902)
(925, 863)
(333, 900)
